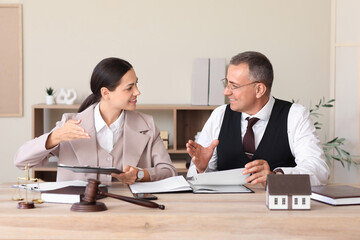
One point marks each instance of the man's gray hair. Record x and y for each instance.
(260, 68)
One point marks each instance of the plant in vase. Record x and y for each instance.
(50, 100)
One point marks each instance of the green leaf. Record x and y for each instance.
(327, 105)
(334, 140)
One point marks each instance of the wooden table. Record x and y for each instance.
(187, 216)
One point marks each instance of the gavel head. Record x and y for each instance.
(91, 190)
(89, 203)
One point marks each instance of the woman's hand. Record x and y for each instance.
(70, 131)
(130, 174)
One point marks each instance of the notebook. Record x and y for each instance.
(336, 194)
(69, 194)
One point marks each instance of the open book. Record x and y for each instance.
(229, 181)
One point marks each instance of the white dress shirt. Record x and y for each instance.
(304, 144)
(107, 136)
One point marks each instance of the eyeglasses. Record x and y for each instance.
(232, 87)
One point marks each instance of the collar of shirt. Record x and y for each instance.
(264, 113)
(100, 123)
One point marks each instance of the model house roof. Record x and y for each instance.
(288, 184)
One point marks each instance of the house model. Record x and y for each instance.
(288, 191)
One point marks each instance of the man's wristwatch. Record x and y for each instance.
(279, 171)
(140, 174)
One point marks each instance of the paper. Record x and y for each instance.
(226, 177)
(172, 184)
(220, 189)
(46, 186)
(229, 181)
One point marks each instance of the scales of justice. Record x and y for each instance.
(24, 203)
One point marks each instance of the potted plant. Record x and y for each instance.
(333, 148)
(50, 96)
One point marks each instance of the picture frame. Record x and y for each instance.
(11, 61)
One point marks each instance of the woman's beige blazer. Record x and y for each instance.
(142, 147)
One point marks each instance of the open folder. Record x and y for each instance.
(228, 181)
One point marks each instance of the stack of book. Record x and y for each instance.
(164, 135)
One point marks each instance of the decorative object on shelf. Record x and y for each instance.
(206, 82)
(66, 97)
(217, 72)
(50, 100)
(164, 135)
(22, 183)
(288, 192)
(200, 82)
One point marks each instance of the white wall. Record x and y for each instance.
(65, 39)
(346, 77)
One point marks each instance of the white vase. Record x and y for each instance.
(50, 100)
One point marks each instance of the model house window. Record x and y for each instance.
(283, 201)
(296, 200)
(276, 201)
(303, 201)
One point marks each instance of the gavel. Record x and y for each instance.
(89, 203)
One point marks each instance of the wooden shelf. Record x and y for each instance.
(186, 121)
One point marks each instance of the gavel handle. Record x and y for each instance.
(141, 202)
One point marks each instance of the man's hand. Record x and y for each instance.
(200, 155)
(70, 131)
(259, 169)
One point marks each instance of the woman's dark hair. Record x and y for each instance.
(107, 73)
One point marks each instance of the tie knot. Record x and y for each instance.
(251, 121)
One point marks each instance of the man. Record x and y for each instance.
(282, 139)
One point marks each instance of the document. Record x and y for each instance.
(172, 184)
(227, 177)
(47, 186)
(229, 181)
(220, 189)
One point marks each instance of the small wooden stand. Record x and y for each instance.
(88, 207)
(25, 205)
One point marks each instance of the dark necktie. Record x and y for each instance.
(249, 139)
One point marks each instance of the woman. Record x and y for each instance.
(105, 132)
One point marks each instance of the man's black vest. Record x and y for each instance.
(273, 147)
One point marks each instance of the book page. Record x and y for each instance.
(226, 177)
(46, 186)
(220, 189)
(171, 184)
